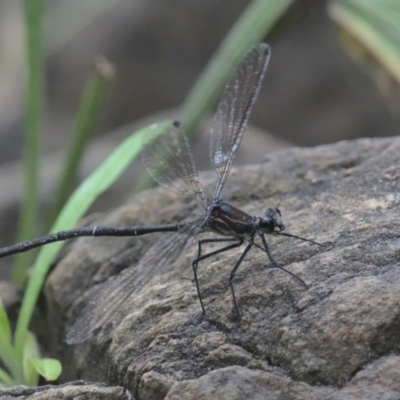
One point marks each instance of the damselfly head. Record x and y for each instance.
(271, 223)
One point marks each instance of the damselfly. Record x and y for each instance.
(169, 161)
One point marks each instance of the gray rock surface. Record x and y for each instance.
(337, 340)
(72, 391)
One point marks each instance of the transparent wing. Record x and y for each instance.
(169, 162)
(109, 303)
(233, 111)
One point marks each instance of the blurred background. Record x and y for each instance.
(314, 92)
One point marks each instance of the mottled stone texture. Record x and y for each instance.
(79, 390)
(338, 339)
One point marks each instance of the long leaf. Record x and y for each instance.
(31, 351)
(99, 181)
(49, 368)
(376, 25)
(33, 110)
(7, 353)
(5, 379)
(251, 28)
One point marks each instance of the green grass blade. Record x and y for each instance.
(5, 379)
(100, 180)
(33, 10)
(7, 352)
(10, 359)
(89, 110)
(49, 368)
(31, 351)
(375, 25)
(4, 323)
(251, 28)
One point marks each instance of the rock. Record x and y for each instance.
(237, 383)
(70, 391)
(335, 340)
(379, 380)
(11, 298)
